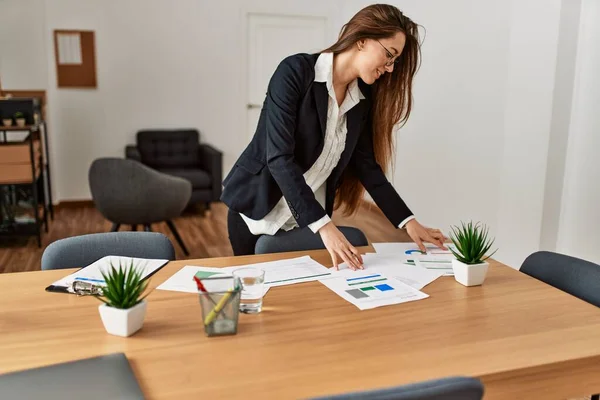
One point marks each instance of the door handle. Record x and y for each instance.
(251, 106)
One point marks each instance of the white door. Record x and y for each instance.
(271, 38)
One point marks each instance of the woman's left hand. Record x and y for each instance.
(419, 234)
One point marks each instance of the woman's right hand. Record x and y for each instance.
(339, 248)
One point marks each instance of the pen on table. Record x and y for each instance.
(202, 289)
(200, 285)
(220, 305)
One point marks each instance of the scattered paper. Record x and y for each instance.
(441, 262)
(183, 280)
(288, 272)
(369, 290)
(277, 273)
(390, 265)
(408, 250)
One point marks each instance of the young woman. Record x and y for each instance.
(325, 133)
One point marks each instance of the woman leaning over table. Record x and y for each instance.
(325, 135)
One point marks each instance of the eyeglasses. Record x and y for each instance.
(391, 60)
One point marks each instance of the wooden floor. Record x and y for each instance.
(205, 234)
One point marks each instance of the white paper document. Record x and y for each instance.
(409, 251)
(442, 262)
(69, 48)
(288, 272)
(368, 290)
(93, 272)
(277, 273)
(391, 266)
(183, 280)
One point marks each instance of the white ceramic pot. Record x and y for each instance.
(469, 275)
(20, 122)
(123, 322)
(7, 122)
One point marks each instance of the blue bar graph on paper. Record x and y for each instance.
(362, 277)
(384, 287)
(89, 279)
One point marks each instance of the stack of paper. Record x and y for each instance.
(390, 265)
(277, 273)
(409, 253)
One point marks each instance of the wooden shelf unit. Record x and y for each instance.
(24, 167)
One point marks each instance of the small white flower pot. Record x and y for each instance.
(7, 122)
(469, 275)
(20, 122)
(123, 322)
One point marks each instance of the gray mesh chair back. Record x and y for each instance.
(575, 276)
(453, 388)
(80, 251)
(128, 192)
(304, 239)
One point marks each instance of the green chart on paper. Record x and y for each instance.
(206, 274)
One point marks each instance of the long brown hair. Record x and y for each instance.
(392, 93)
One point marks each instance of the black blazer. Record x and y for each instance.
(288, 140)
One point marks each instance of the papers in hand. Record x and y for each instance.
(277, 273)
(93, 272)
(367, 290)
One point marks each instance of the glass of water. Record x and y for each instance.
(253, 282)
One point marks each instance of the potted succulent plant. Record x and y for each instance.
(472, 243)
(124, 307)
(7, 121)
(20, 118)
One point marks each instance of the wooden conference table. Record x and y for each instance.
(523, 338)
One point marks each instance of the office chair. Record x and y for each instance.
(573, 275)
(452, 388)
(80, 251)
(179, 152)
(304, 239)
(127, 192)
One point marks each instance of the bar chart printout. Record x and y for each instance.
(368, 291)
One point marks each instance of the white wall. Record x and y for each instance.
(477, 143)
(449, 153)
(561, 119)
(578, 233)
(22, 44)
(158, 65)
(527, 122)
(476, 146)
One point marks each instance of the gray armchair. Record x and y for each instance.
(180, 153)
(579, 278)
(80, 251)
(304, 239)
(575, 276)
(127, 192)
